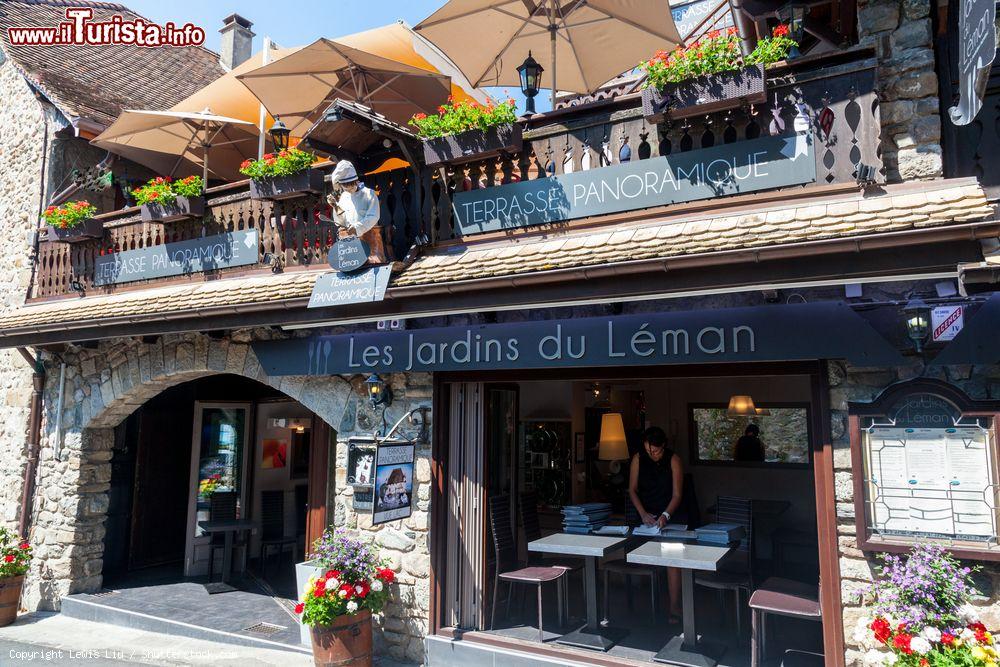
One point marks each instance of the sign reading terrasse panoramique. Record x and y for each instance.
(175, 259)
(772, 333)
(737, 168)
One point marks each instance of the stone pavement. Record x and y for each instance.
(51, 639)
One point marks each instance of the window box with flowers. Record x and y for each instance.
(73, 222)
(710, 75)
(283, 175)
(165, 200)
(15, 555)
(351, 584)
(466, 131)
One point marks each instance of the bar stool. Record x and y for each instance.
(781, 597)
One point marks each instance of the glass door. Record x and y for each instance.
(218, 475)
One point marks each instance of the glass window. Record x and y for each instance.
(220, 458)
(781, 437)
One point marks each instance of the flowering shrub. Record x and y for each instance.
(456, 117)
(285, 163)
(922, 614)
(718, 51)
(355, 578)
(208, 486)
(69, 214)
(164, 190)
(14, 555)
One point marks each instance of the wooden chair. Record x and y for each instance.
(221, 507)
(737, 571)
(507, 567)
(781, 597)
(528, 510)
(272, 525)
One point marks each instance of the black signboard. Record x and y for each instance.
(977, 45)
(348, 254)
(828, 330)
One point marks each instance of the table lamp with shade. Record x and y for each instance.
(741, 406)
(613, 447)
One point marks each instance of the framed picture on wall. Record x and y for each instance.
(579, 447)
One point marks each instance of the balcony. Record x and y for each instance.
(839, 97)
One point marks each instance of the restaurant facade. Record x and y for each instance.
(829, 254)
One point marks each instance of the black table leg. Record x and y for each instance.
(689, 649)
(592, 635)
(223, 586)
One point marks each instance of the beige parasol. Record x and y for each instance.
(178, 143)
(593, 41)
(303, 84)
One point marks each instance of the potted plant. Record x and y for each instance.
(73, 222)
(922, 614)
(709, 75)
(338, 603)
(287, 174)
(165, 200)
(465, 131)
(14, 558)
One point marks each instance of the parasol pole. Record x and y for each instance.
(262, 119)
(552, 35)
(204, 159)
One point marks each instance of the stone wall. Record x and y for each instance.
(105, 385)
(900, 32)
(862, 385)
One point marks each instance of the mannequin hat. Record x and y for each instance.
(344, 172)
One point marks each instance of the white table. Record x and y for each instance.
(686, 649)
(590, 547)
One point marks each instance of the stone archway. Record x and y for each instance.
(103, 387)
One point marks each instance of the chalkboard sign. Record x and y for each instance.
(348, 254)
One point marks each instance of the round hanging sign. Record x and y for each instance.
(348, 254)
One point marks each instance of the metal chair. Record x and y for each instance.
(737, 573)
(781, 597)
(507, 567)
(272, 525)
(528, 510)
(221, 507)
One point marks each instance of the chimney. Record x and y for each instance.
(237, 40)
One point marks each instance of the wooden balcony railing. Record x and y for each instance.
(844, 96)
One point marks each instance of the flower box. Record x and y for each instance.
(181, 208)
(472, 145)
(308, 181)
(705, 94)
(87, 229)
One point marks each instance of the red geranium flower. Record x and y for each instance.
(365, 589)
(9, 558)
(386, 575)
(299, 607)
(981, 637)
(780, 30)
(947, 639)
(319, 592)
(923, 662)
(902, 643)
(977, 627)
(881, 628)
(268, 156)
(333, 574)
(348, 590)
(154, 195)
(245, 164)
(25, 545)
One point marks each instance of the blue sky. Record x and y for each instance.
(294, 22)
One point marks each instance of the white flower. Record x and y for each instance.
(931, 634)
(876, 658)
(891, 658)
(920, 645)
(967, 635)
(863, 635)
(342, 593)
(377, 585)
(352, 607)
(333, 583)
(359, 589)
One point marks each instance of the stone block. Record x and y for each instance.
(913, 85)
(920, 162)
(854, 568)
(878, 17)
(912, 34)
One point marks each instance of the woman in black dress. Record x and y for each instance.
(656, 486)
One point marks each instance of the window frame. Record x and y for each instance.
(693, 454)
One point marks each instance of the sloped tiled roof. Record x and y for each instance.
(940, 204)
(97, 82)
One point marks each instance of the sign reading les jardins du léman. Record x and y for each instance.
(828, 330)
(730, 169)
(175, 259)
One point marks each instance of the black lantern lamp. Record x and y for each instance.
(378, 392)
(917, 317)
(279, 134)
(794, 14)
(531, 78)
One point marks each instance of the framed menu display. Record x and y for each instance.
(925, 466)
(393, 497)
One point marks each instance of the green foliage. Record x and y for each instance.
(69, 215)
(456, 117)
(164, 190)
(285, 163)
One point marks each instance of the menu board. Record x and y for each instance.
(931, 481)
(393, 483)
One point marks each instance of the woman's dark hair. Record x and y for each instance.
(655, 436)
(752, 429)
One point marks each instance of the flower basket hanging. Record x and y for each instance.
(284, 175)
(166, 200)
(467, 131)
(705, 94)
(73, 222)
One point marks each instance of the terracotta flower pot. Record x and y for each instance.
(345, 643)
(473, 145)
(308, 181)
(181, 208)
(87, 229)
(10, 594)
(705, 94)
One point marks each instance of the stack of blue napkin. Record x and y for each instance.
(582, 519)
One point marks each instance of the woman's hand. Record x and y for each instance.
(661, 521)
(648, 519)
